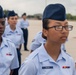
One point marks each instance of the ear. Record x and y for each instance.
(44, 31)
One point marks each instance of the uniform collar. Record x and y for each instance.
(64, 55)
(23, 19)
(11, 31)
(43, 55)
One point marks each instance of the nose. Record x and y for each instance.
(1, 25)
(64, 30)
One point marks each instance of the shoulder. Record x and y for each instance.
(30, 64)
(68, 54)
(27, 20)
(7, 29)
(34, 56)
(9, 42)
(34, 60)
(28, 68)
(21, 20)
(19, 29)
(7, 26)
(11, 46)
(38, 35)
(69, 58)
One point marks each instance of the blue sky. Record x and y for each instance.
(36, 6)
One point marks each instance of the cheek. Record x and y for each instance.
(53, 35)
(9, 21)
(3, 28)
(67, 33)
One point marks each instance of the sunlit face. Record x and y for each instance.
(12, 20)
(2, 26)
(55, 36)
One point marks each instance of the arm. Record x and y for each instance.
(11, 72)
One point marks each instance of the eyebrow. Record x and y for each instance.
(60, 23)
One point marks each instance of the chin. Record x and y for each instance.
(0, 34)
(63, 42)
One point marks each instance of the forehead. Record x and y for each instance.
(54, 22)
(12, 17)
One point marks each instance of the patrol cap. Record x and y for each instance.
(55, 12)
(5, 16)
(16, 14)
(1, 12)
(11, 13)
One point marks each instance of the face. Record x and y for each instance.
(12, 20)
(56, 35)
(2, 26)
(24, 17)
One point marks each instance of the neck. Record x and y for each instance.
(13, 27)
(53, 50)
(24, 19)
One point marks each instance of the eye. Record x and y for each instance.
(58, 27)
(2, 22)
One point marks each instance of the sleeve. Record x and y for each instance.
(18, 23)
(35, 43)
(22, 38)
(28, 23)
(15, 63)
(73, 66)
(74, 70)
(28, 68)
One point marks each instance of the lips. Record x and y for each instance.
(1, 31)
(64, 37)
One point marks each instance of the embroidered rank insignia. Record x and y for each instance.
(47, 67)
(64, 67)
(8, 54)
(18, 34)
(33, 40)
(8, 34)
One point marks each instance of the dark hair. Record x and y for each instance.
(45, 23)
(8, 18)
(44, 36)
(23, 14)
